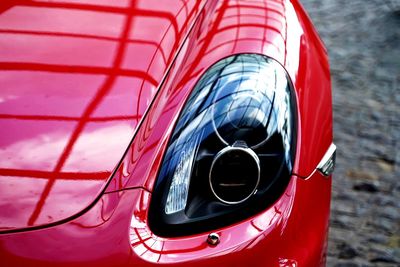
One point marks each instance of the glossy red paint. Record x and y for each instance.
(76, 80)
(113, 231)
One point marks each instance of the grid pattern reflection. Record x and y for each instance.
(91, 50)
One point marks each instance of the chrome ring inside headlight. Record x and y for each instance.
(234, 174)
(232, 147)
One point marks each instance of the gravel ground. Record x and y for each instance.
(363, 39)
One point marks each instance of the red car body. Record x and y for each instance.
(90, 91)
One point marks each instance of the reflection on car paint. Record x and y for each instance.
(243, 236)
(104, 235)
(68, 114)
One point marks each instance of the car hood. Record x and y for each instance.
(76, 80)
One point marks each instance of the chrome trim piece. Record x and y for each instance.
(328, 161)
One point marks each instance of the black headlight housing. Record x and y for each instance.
(232, 151)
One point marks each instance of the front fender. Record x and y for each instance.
(279, 29)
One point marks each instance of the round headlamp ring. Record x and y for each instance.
(235, 174)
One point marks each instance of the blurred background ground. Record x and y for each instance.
(363, 40)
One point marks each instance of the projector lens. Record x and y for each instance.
(235, 174)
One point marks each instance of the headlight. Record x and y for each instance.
(232, 150)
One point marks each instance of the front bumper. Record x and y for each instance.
(114, 232)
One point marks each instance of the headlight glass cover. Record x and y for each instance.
(232, 150)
